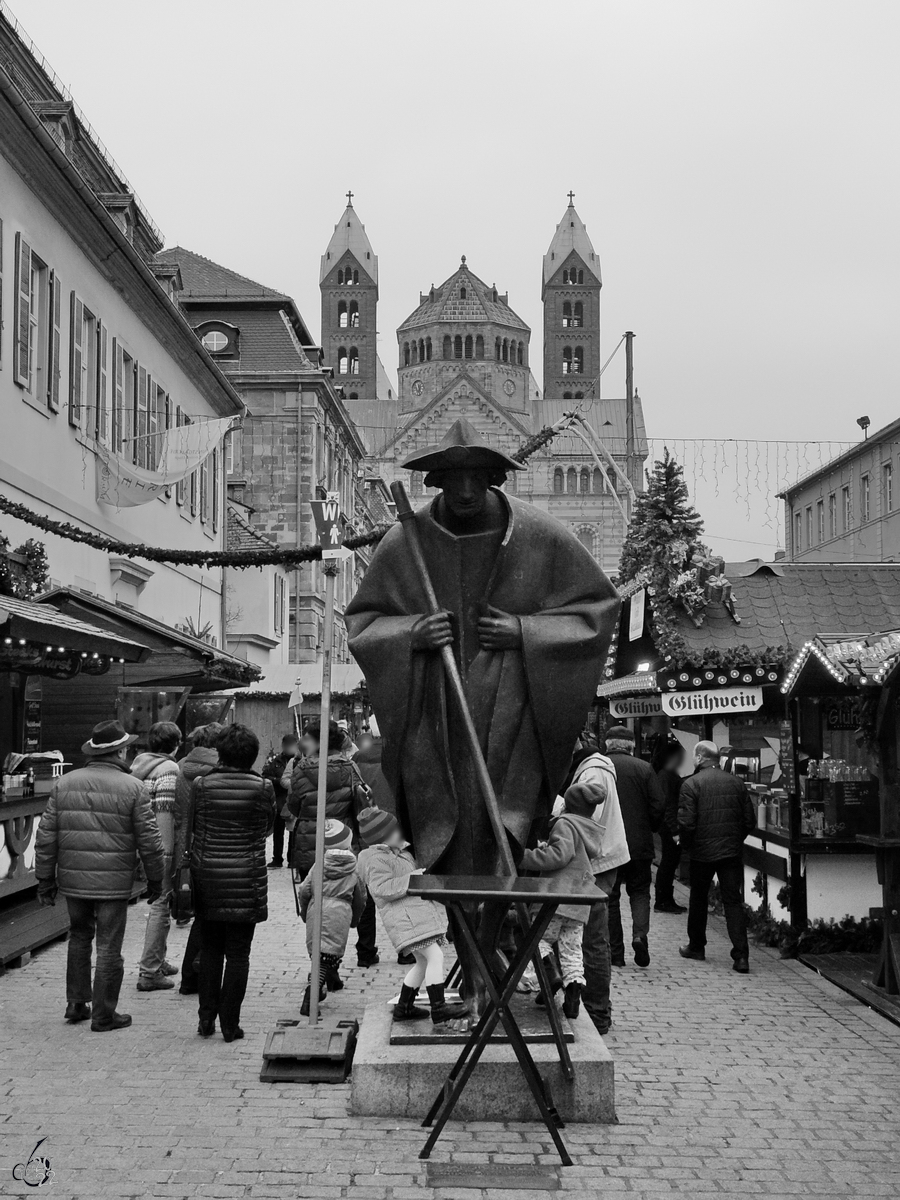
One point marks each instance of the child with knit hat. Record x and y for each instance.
(343, 900)
(414, 925)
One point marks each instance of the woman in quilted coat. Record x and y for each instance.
(346, 792)
(233, 814)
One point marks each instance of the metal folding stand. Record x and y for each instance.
(456, 892)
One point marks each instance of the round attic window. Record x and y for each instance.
(215, 341)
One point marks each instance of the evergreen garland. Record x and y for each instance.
(33, 579)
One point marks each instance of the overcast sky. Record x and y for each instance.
(736, 164)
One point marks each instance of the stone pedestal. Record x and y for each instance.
(402, 1081)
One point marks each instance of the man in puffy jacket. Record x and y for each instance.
(97, 822)
(643, 804)
(715, 814)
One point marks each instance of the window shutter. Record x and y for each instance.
(118, 395)
(22, 313)
(142, 424)
(179, 486)
(214, 486)
(204, 490)
(53, 374)
(76, 356)
(1, 293)
(101, 423)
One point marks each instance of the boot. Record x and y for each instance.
(78, 1010)
(554, 978)
(304, 1007)
(441, 1011)
(572, 1002)
(405, 1009)
(331, 973)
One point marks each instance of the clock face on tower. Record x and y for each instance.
(509, 387)
(418, 387)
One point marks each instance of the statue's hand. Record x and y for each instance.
(499, 631)
(431, 633)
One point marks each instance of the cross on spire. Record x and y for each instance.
(349, 199)
(571, 199)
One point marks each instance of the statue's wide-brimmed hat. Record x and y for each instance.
(462, 447)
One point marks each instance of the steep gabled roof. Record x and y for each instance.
(205, 280)
(240, 534)
(350, 234)
(481, 304)
(571, 235)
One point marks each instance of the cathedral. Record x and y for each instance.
(465, 352)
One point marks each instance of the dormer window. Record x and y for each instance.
(215, 341)
(219, 338)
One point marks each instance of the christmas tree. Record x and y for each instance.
(665, 529)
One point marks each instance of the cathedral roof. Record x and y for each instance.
(446, 304)
(350, 234)
(571, 235)
(608, 419)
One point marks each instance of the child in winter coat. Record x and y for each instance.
(567, 858)
(414, 925)
(343, 899)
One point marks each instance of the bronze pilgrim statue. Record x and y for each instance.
(529, 615)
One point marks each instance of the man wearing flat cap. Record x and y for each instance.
(529, 615)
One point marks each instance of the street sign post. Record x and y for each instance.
(329, 526)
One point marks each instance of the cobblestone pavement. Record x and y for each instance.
(774, 1085)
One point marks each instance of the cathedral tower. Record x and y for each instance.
(348, 282)
(571, 296)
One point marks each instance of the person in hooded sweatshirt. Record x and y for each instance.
(567, 858)
(343, 901)
(201, 758)
(158, 769)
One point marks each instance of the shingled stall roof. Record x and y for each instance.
(240, 534)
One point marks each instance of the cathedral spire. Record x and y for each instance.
(350, 237)
(571, 236)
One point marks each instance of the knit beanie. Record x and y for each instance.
(337, 836)
(375, 825)
(583, 798)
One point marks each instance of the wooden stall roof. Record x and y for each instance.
(45, 622)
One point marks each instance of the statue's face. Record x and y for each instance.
(465, 492)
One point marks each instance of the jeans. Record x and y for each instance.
(157, 935)
(189, 976)
(104, 919)
(224, 943)
(595, 945)
(365, 931)
(668, 865)
(278, 840)
(731, 884)
(636, 877)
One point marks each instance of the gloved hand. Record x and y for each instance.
(47, 893)
(154, 890)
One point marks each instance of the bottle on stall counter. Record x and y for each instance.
(29, 782)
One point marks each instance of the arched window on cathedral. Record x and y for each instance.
(479, 347)
(586, 537)
(447, 350)
(578, 315)
(572, 482)
(342, 315)
(342, 360)
(355, 277)
(354, 361)
(565, 276)
(469, 345)
(578, 361)
(567, 360)
(580, 277)
(428, 349)
(406, 354)
(457, 346)
(340, 278)
(599, 487)
(354, 314)
(559, 481)
(415, 353)
(497, 349)
(512, 351)
(353, 396)
(585, 480)
(462, 293)
(421, 349)
(567, 314)
(567, 395)
(579, 395)
(504, 353)
(520, 354)
(512, 482)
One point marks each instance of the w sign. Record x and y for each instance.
(329, 525)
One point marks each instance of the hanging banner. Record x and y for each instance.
(636, 615)
(636, 706)
(722, 700)
(122, 484)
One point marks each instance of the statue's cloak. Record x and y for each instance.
(528, 704)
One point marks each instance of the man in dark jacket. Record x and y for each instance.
(275, 767)
(715, 814)
(643, 803)
(97, 822)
